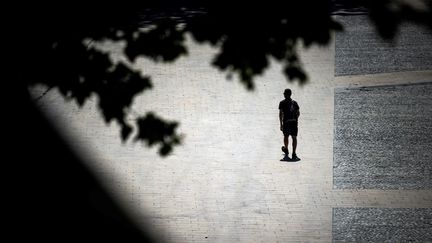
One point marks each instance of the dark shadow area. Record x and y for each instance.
(288, 159)
(51, 196)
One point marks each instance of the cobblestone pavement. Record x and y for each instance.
(361, 50)
(226, 183)
(382, 225)
(382, 137)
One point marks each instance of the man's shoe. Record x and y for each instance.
(285, 150)
(294, 157)
(286, 158)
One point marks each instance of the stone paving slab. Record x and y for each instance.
(382, 225)
(382, 137)
(380, 79)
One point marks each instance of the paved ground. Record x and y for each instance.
(226, 183)
(382, 137)
(382, 225)
(361, 50)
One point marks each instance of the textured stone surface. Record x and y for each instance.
(382, 225)
(383, 137)
(359, 50)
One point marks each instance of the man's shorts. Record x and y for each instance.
(290, 128)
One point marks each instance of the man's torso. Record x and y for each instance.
(290, 109)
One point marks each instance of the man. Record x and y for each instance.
(289, 112)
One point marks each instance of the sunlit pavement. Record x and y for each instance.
(226, 183)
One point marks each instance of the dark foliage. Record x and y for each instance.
(247, 36)
(62, 55)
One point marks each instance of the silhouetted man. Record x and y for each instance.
(289, 112)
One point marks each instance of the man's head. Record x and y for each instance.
(287, 93)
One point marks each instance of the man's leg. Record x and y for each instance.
(286, 132)
(294, 145)
(285, 148)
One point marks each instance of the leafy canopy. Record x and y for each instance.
(56, 42)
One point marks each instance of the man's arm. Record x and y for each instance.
(281, 119)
